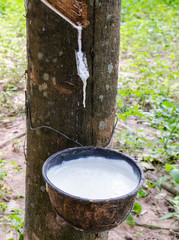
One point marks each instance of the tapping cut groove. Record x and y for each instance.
(74, 11)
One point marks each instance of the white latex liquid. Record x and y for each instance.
(94, 177)
(82, 66)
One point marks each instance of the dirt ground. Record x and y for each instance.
(155, 204)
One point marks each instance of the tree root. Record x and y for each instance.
(8, 141)
(164, 185)
(156, 227)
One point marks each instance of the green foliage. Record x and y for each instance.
(175, 174)
(148, 26)
(141, 193)
(130, 220)
(173, 171)
(168, 167)
(16, 218)
(149, 75)
(12, 50)
(174, 214)
(17, 222)
(176, 201)
(12, 67)
(148, 106)
(137, 208)
(148, 81)
(3, 207)
(160, 181)
(3, 172)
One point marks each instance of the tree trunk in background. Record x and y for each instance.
(55, 95)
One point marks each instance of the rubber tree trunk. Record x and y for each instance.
(55, 96)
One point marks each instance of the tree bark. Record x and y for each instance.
(55, 95)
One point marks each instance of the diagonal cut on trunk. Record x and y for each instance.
(73, 11)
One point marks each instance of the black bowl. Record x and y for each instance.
(86, 214)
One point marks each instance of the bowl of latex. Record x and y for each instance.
(92, 188)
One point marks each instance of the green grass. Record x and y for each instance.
(148, 93)
(12, 68)
(149, 34)
(149, 77)
(12, 50)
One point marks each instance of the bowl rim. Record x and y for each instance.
(132, 193)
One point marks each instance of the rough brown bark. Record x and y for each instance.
(55, 95)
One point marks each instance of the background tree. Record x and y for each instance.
(55, 95)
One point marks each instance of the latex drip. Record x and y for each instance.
(82, 66)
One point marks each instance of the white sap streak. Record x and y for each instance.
(84, 93)
(82, 66)
(94, 177)
(80, 39)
